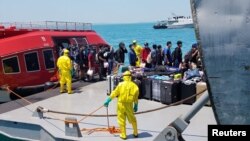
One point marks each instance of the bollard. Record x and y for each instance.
(38, 112)
(72, 128)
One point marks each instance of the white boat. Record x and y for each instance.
(175, 22)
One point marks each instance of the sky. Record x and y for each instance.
(93, 11)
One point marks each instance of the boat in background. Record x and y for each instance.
(175, 22)
(29, 51)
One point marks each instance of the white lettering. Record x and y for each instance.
(215, 132)
(231, 133)
(235, 133)
(243, 133)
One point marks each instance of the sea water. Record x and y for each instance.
(144, 32)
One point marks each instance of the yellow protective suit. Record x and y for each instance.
(138, 50)
(65, 66)
(127, 93)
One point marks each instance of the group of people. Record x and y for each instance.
(85, 58)
(127, 92)
(156, 56)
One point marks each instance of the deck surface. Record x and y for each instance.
(15, 104)
(87, 99)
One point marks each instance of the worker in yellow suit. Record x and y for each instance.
(65, 68)
(138, 50)
(127, 93)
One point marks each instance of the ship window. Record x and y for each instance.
(31, 61)
(49, 59)
(11, 65)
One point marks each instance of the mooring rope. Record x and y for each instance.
(110, 129)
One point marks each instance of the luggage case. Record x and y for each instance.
(138, 83)
(170, 91)
(110, 81)
(117, 80)
(188, 90)
(156, 90)
(146, 86)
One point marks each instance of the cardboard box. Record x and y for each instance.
(201, 86)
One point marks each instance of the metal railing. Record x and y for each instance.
(51, 25)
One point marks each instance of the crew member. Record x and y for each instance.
(127, 93)
(159, 55)
(145, 52)
(153, 56)
(132, 56)
(65, 69)
(177, 55)
(167, 54)
(102, 58)
(195, 54)
(120, 53)
(138, 50)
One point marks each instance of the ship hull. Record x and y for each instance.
(4, 96)
(223, 31)
(181, 26)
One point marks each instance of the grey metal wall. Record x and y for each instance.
(223, 31)
(25, 131)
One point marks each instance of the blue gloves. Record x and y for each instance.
(106, 104)
(135, 107)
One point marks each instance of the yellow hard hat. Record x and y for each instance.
(127, 73)
(127, 76)
(65, 51)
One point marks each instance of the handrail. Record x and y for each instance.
(50, 25)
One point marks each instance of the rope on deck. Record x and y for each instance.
(110, 129)
(137, 113)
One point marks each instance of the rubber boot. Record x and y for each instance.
(135, 133)
(62, 89)
(69, 89)
(123, 134)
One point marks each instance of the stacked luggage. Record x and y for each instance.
(156, 92)
(169, 91)
(187, 90)
(146, 88)
(113, 81)
(159, 86)
(164, 91)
